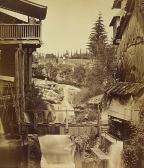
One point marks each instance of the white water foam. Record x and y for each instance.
(115, 160)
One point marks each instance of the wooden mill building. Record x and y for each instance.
(19, 38)
(126, 97)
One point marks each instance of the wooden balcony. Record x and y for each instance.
(20, 33)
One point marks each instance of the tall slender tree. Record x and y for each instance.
(98, 39)
(103, 54)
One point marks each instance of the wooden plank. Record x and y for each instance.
(6, 78)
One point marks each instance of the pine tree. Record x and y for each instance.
(103, 54)
(98, 40)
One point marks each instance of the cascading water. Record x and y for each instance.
(10, 150)
(26, 118)
(115, 160)
(58, 151)
(1, 128)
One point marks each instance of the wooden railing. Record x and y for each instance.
(20, 31)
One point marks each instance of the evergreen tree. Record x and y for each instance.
(98, 40)
(103, 53)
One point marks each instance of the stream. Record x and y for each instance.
(115, 158)
(65, 108)
(58, 150)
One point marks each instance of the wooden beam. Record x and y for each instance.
(36, 42)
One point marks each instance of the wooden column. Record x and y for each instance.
(99, 121)
(26, 68)
(19, 83)
(30, 68)
(22, 82)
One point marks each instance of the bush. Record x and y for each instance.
(134, 150)
(34, 101)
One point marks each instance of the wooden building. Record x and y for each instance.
(129, 36)
(126, 96)
(18, 40)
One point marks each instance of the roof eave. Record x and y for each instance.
(25, 7)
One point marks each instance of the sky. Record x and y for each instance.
(68, 23)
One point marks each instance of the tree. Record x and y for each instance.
(79, 74)
(98, 40)
(38, 72)
(65, 72)
(134, 148)
(103, 54)
(34, 102)
(51, 71)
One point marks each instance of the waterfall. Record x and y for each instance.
(57, 151)
(26, 118)
(1, 128)
(115, 152)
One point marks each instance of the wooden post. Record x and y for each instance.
(66, 121)
(22, 88)
(99, 121)
(17, 86)
(26, 67)
(19, 82)
(30, 68)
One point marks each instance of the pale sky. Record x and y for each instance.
(69, 22)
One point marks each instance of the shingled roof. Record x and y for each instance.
(125, 88)
(95, 100)
(25, 7)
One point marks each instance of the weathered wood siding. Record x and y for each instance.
(132, 44)
(128, 111)
(7, 61)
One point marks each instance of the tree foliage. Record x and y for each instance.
(102, 53)
(134, 147)
(38, 72)
(51, 71)
(98, 39)
(79, 74)
(34, 101)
